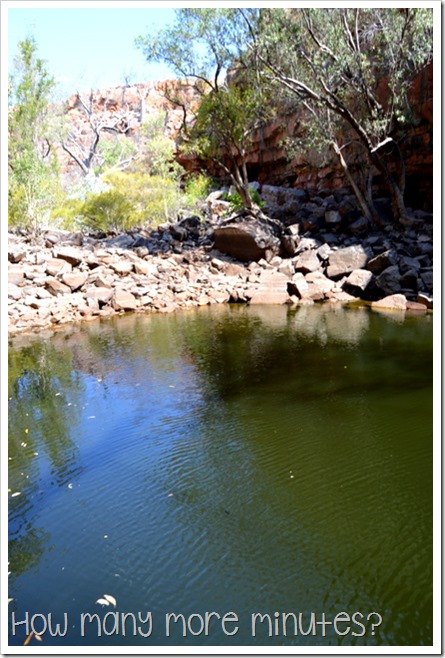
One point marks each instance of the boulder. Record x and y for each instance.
(422, 298)
(179, 232)
(357, 282)
(16, 253)
(98, 294)
(416, 307)
(75, 280)
(122, 267)
(14, 292)
(389, 280)
(70, 254)
(427, 279)
(123, 241)
(380, 262)
(346, 260)
(315, 286)
(16, 274)
(270, 289)
(307, 261)
(56, 266)
(332, 217)
(124, 301)
(250, 239)
(291, 239)
(394, 302)
(56, 287)
(359, 226)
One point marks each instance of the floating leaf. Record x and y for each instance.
(39, 638)
(103, 602)
(26, 430)
(17, 493)
(9, 600)
(111, 599)
(28, 639)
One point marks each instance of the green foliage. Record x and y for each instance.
(349, 70)
(33, 184)
(126, 200)
(202, 45)
(114, 151)
(237, 201)
(68, 213)
(157, 156)
(197, 188)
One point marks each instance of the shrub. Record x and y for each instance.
(196, 190)
(237, 202)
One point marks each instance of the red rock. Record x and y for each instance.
(124, 301)
(394, 302)
(57, 266)
(56, 287)
(75, 280)
(70, 254)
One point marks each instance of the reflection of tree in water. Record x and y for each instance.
(43, 394)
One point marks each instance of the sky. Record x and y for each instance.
(87, 46)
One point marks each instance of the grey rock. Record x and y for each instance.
(357, 282)
(271, 289)
(344, 261)
(332, 217)
(250, 239)
(359, 226)
(123, 241)
(389, 280)
(382, 261)
(307, 261)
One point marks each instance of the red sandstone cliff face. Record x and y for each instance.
(269, 163)
(126, 108)
(267, 159)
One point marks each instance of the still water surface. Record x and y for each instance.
(225, 459)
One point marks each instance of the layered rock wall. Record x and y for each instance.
(268, 161)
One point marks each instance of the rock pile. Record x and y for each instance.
(322, 252)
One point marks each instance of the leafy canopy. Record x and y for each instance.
(32, 166)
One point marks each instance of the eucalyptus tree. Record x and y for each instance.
(32, 164)
(350, 69)
(207, 47)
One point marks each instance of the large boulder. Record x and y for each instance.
(389, 280)
(250, 239)
(346, 260)
(271, 289)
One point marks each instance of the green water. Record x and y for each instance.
(228, 459)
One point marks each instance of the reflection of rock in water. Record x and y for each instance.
(332, 323)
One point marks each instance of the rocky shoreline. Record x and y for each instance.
(319, 250)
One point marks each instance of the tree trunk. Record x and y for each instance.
(360, 198)
(395, 193)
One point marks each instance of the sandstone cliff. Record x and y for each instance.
(267, 160)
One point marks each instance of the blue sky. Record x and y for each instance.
(86, 46)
